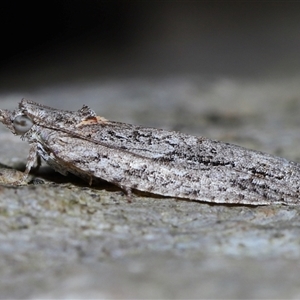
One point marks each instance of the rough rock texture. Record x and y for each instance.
(60, 238)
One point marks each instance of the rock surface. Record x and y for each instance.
(61, 238)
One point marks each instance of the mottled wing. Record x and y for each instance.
(225, 167)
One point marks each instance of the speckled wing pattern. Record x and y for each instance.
(153, 160)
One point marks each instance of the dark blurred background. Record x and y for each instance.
(56, 42)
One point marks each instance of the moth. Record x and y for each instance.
(157, 161)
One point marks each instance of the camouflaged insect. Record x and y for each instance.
(152, 160)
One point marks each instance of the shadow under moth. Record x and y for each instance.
(158, 161)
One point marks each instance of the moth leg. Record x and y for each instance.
(31, 159)
(38, 163)
(91, 180)
(128, 192)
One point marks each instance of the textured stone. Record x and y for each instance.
(64, 239)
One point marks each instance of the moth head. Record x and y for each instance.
(17, 123)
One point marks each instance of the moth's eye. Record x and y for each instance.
(22, 124)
